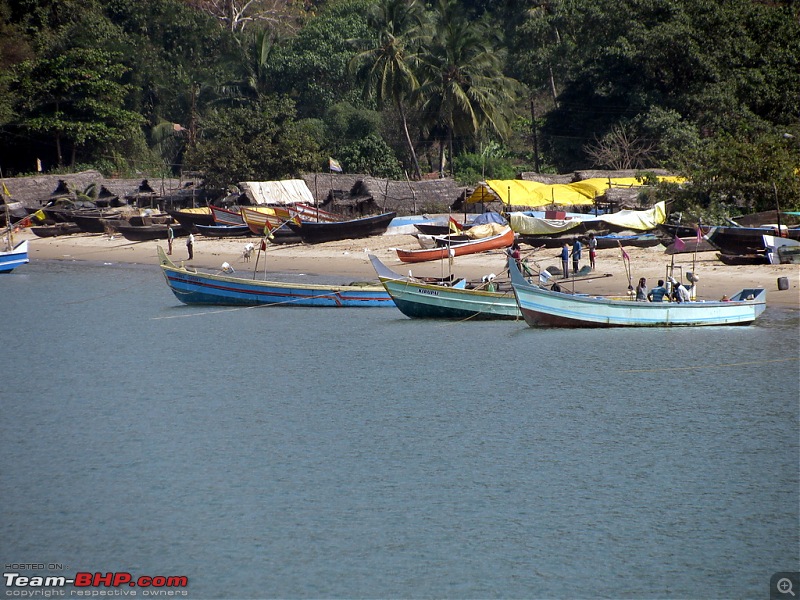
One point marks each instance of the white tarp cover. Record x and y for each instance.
(637, 220)
(287, 191)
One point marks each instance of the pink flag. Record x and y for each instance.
(699, 234)
(679, 244)
(624, 254)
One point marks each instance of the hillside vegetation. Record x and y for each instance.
(470, 89)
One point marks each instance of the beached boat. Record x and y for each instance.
(500, 240)
(224, 230)
(417, 298)
(258, 218)
(45, 231)
(193, 287)
(143, 233)
(312, 232)
(225, 216)
(782, 250)
(746, 240)
(191, 217)
(604, 242)
(542, 307)
(14, 257)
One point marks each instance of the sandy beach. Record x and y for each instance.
(349, 259)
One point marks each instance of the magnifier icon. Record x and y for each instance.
(784, 586)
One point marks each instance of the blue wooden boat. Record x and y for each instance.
(13, 258)
(417, 298)
(193, 287)
(542, 307)
(224, 230)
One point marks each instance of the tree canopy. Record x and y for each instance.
(707, 90)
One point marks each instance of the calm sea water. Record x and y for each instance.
(354, 453)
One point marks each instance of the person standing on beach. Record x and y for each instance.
(592, 250)
(190, 245)
(170, 238)
(565, 260)
(576, 255)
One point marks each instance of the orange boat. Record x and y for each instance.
(500, 240)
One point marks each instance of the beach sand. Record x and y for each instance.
(349, 258)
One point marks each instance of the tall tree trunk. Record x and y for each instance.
(59, 156)
(535, 139)
(414, 161)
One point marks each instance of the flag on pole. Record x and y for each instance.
(5, 190)
(334, 165)
(679, 244)
(699, 234)
(454, 226)
(624, 254)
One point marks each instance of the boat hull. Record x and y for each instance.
(195, 288)
(14, 258)
(331, 231)
(495, 242)
(545, 308)
(423, 300)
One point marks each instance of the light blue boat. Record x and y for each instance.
(11, 259)
(193, 287)
(542, 307)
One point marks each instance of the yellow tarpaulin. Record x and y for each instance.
(519, 192)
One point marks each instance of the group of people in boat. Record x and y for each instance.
(676, 293)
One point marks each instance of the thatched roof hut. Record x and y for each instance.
(363, 194)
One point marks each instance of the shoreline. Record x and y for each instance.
(349, 259)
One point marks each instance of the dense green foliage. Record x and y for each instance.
(705, 89)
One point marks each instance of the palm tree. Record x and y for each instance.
(387, 69)
(463, 89)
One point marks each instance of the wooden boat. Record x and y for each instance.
(542, 307)
(417, 298)
(14, 257)
(604, 242)
(191, 217)
(224, 230)
(258, 218)
(439, 227)
(95, 223)
(194, 287)
(782, 250)
(754, 258)
(143, 233)
(223, 216)
(745, 240)
(57, 229)
(501, 240)
(311, 232)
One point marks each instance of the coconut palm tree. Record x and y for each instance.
(462, 86)
(387, 69)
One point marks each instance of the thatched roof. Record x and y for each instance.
(403, 197)
(37, 190)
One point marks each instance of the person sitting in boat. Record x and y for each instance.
(679, 291)
(641, 290)
(657, 293)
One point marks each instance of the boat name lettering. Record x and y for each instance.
(429, 292)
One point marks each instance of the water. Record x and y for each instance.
(352, 453)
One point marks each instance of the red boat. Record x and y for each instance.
(494, 242)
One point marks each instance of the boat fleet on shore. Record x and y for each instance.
(526, 295)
